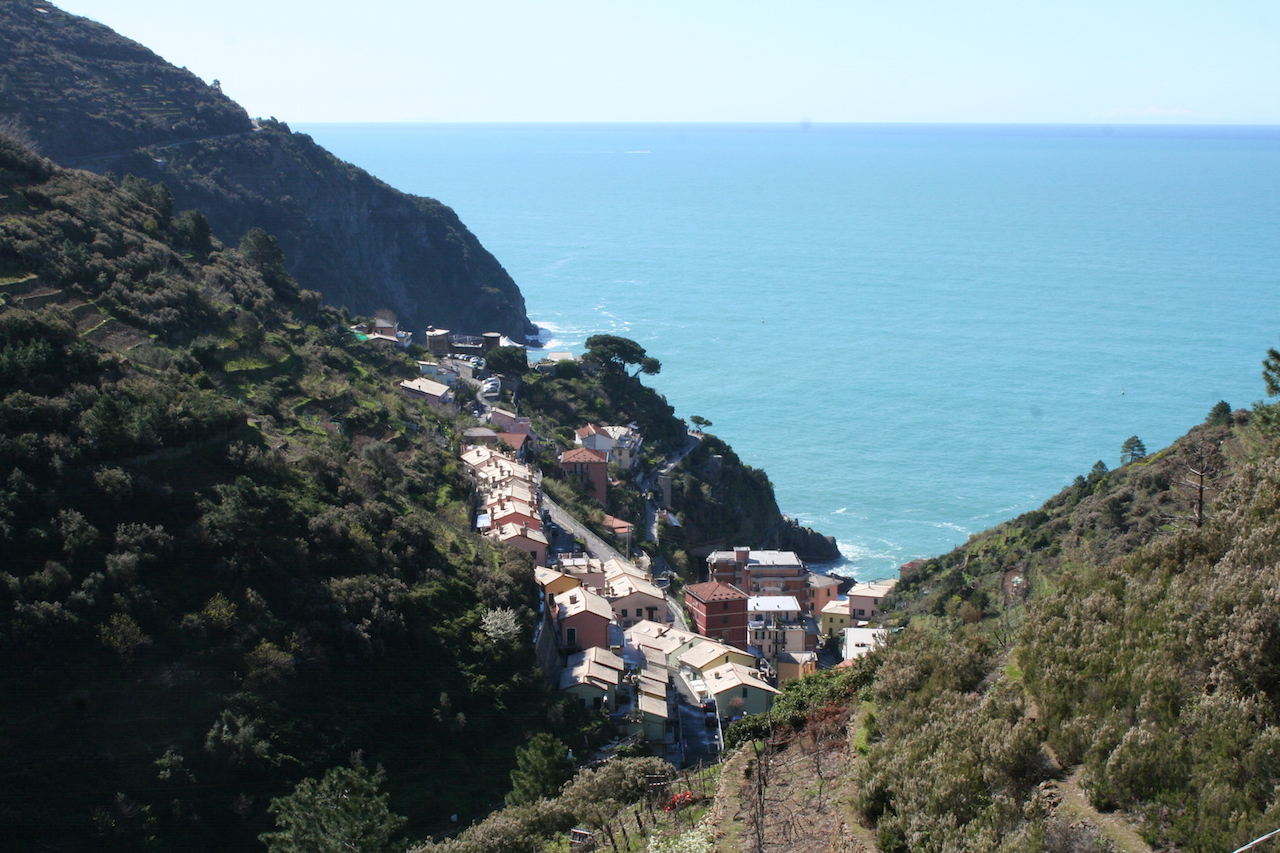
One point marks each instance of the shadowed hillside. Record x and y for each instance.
(233, 554)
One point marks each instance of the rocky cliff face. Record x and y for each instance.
(90, 98)
(724, 503)
(358, 241)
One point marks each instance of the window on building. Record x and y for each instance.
(571, 636)
(726, 619)
(744, 695)
(624, 613)
(725, 606)
(859, 612)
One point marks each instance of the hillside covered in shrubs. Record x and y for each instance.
(233, 556)
(1099, 674)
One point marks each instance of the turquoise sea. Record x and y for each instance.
(918, 331)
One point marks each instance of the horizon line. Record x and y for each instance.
(808, 124)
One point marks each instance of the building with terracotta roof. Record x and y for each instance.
(589, 469)
(582, 620)
(719, 611)
(621, 444)
(620, 529)
(519, 442)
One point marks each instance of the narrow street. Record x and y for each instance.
(596, 546)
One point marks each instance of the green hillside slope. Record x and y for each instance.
(232, 555)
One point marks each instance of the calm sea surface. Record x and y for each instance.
(918, 331)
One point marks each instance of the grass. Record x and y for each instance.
(1012, 671)
(862, 734)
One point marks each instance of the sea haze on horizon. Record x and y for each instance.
(918, 331)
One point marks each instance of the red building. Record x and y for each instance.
(719, 611)
(590, 468)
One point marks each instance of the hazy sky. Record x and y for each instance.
(706, 60)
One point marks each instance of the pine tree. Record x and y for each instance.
(542, 768)
(1132, 450)
(1220, 414)
(339, 813)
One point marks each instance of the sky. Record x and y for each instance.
(828, 61)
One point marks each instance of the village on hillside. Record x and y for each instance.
(668, 670)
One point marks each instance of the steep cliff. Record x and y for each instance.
(88, 97)
(724, 502)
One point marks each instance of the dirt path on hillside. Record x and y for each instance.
(804, 799)
(1074, 806)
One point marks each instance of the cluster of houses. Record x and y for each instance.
(609, 633)
(508, 495)
(623, 652)
(769, 603)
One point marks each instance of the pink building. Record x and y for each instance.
(509, 421)
(823, 589)
(582, 620)
(864, 598)
(525, 538)
(512, 511)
